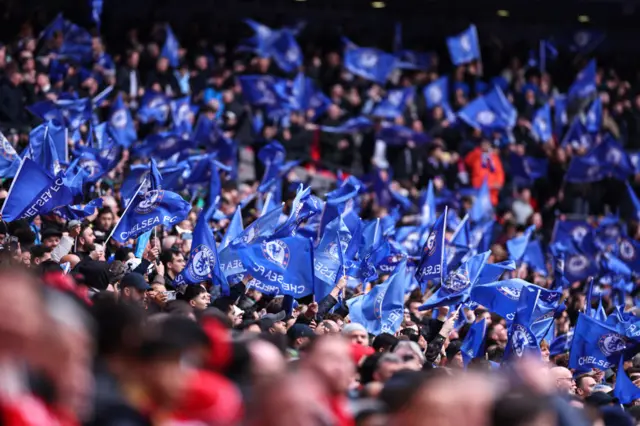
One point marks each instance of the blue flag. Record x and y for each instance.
(203, 264)
(585, 82)
(171, 48)
(77, 212)
(368, 63)
(96, 12)
(34, 192)
(40, 135)
(381, 309)
(428, 210)
(432, 266)
(518, 245)
(534, 257)
(561, 344)
(594, 116)
(473, 343)
(141, 244)
(181, 114)
(595, 345)
(9, 159)
(464, 47)
(393, 105)
(285, 50)
(541, 125)
(284, 265)
(234, 229)
(522, 341)
(148, 210)
(625, 390)
(629, 253)
(527, 169)
(154, 106)
(578, 136)
(121, 124)
(482, 208)
(607, 159)
(437, 92)
(635, 203)
(458, 284)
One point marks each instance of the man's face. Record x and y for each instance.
(134, 295)
(105, 221)
(565, 383)
(177, 263)
(279, 327)
(359, 337)
(87, 238)
(586, 387)
(201, 302)
(51, 242)
(331, 358)
(26, 258)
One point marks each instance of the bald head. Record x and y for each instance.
(563, 379)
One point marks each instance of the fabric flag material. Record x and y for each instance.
(234, 229)
(437, 92)
(473, 343)
(368, 63)
(542, 126)
(203, 264)
(9, 158)
(482, 209)
(625, 390)
(394, 103)
(432, 259)
(282, 266)
(518, 245)
(593, 120)
(121, 125)
(171, 48)
(585, 82)
(458, 284)
(77, 212)
(34, 192)
(595, 345)
(148, 210)
(522, 341)
(381, 309)
(464, 47)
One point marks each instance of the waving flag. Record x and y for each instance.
(432, 260)
(527, 169)
(542, 126)
(368, 63)
(625, 390)
(517, 246)
(281, 45)
(534, 257)
(121, 124)
(303, 207)
(171, 48)
(585, 82)
(154, 106)
(381, 309)
(203, 264)
(595, 345)
(394, 103)
(148, 210)
(594, 116)
(482, 209)
(34, 192)
(78, 212)
(234, 229)
(428, 211)
(259, 90)
(473, 343)
(458, 284)
(96, 12)
(522, 341)
(607, 159)
(9, 159)
(39, 136)
(437, 92)
(502, 297)
(284, 265)
(578, 136)
(489, 113)
(464, 47)
(181, 114)
(328, 257)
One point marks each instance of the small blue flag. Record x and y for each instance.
(368, 63)
(464, 47)
(171, 48)
(473, 343)
(585, 82)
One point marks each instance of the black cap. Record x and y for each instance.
(298, 331)
(51, 232)
(136, 281)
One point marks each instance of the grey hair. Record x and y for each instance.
(413, 346)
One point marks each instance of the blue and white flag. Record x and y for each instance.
(181, 114)
(34, 192)
(154, 106)
(595, 345)
(171, 48)
(437, 92)
(381, 309)
(148, 210)
(585, 82)
(473, 343)
(625, 390)
(522, 341)
(203, 264)
(542, 126)
(593, 119)
(9, 159)
(432, 261)
(121, 125)
(464, 47)
(78, 212)
(394, 103)
(368, 63)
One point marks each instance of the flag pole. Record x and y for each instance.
(125, 211)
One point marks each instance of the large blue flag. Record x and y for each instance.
(34, 192)
(464, 47)
(394, 103)
(432, 266)
(607, 159)
(473, 343)
(171, 48)
(368, 63)
(381, 309)
(527, 169)
(259, 90)
(284, 264)
(522, 341)
(285, 50)
(458, 284)
(437, 92)
(9, 158)
(203, 264)
(121, 124)
(148, 210)
(154, 106)
(595, 345)
(542, 126)
(585, 82)
(39, 137)
(625, 390)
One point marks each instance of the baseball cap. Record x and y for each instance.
(134, 280)
(298, 331)
(280, 316)
(51, 232)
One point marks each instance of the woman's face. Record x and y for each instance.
(410, 359)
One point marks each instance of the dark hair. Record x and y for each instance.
(384, 341)
(191, 292)
(368, 367)
(119, 325)
(495, 353)
(519, 409)
(105, 210)
(168, 255)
